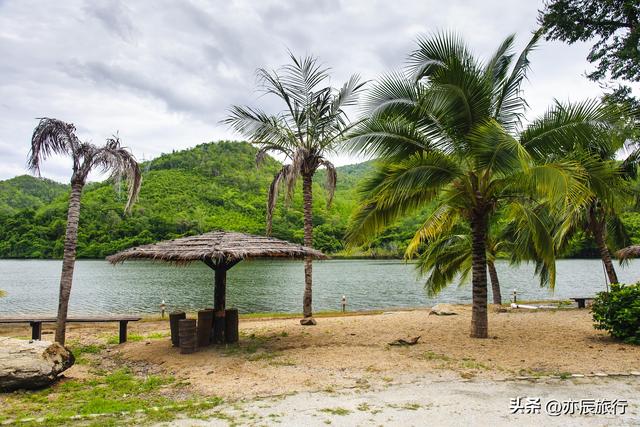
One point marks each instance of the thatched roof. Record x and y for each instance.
(628, 252)
(216, 246)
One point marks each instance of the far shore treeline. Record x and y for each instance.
(210, 186)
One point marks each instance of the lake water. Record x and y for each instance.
(265, 286)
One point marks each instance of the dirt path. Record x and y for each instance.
(430, 401)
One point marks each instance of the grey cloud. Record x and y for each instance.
(114, 15)
(165, 72)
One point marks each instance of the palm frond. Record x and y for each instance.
(396, 189)
(52, 136)
(439, 223)
(331, 181)
(446, 258)
(122, 164)
(279, 179)
(509, 106)
(565, 127)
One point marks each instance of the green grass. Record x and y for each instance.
(80, 351)
(411, 406)
(158, 335)
(430, 355)
(470, 363)
(336, 411)
(112, 393)
(115, 339)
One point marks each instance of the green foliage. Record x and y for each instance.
(106, 394)
(618, 312)
(211, 186)
(26, 192)
(614, 25)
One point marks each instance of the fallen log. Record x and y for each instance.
(31, 364)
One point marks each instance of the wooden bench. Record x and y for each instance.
(582, 302)
(36, 323)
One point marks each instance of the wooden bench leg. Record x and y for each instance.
(581, 303)
(36, 330)
(123, 331)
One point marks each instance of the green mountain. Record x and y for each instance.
(27, 192)
(211, 186)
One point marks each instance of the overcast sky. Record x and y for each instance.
(164, 73)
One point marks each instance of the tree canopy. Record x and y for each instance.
(614, 24)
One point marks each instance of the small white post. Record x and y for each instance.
(515, 296)
(163, 306)
(344, 303)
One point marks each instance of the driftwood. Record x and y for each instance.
(443, 310)
(31, 364)
(410, 341)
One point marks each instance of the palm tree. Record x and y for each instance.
(609, 181)
(53, 136)
(449, 132)
(312, 124)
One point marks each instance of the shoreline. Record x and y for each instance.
(275, 315)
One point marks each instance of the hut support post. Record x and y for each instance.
(220, 289)
(220, 281)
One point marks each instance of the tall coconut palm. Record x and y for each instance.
(52, 136)
(311, 125)
(448, 131)
(609, 180)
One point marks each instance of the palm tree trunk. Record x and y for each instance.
(495, 283)
(308, 241)
(479, 319)
(598, 231)
(68, 260)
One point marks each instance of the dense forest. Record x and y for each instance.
(211, 186)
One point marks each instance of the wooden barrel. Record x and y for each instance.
(231, 325)
(218, 326)
(205, 323)
(174, 318)
(187, 329)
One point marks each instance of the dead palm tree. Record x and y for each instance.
(53, 136)
(312, 124)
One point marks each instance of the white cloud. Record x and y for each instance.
(164, 73)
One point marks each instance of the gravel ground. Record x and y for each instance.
(428, 401)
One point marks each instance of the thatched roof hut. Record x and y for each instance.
(219, 250)
(632, 251)
(217, 247)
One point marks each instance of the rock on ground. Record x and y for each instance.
(31, 364)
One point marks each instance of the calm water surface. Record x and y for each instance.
(261, 286)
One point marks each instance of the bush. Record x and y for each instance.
(618, 312)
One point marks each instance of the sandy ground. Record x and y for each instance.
(279, 356)
(429, 401)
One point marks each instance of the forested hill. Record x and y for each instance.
(23, 192)
(211, 186)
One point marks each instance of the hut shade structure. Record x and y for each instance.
(628, 252)
(220, 251)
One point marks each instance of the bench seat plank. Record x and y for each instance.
(70, 320)
(36, 323)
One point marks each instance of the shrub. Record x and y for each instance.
(618, 312)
